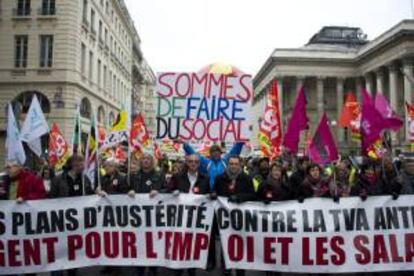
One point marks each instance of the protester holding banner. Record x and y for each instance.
(21, 184)
(274, 188)
(113, 182)
(314, 184)
(237, 186)
(70, 182)
(190, 181)
(368, 183)
(147, 180)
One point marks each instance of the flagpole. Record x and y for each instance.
(97, 152)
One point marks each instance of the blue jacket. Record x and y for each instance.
(214, 167)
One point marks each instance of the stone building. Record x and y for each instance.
(335, 61)
(70, 53)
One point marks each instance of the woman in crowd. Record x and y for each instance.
(314, 184)
(274, 188)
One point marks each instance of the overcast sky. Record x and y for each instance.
(186, 35)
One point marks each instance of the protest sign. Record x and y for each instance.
(204, 106)
(319, 236)
(46, 235)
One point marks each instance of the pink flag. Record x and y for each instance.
(298, 122)
(322, 149)
(391, 119)
(372, 122)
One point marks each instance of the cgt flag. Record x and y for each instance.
(351, 116)
(139, 135)
(298, 122)
(270, 135)
(322, 149)
(58, 148)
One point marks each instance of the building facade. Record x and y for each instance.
(70, 53)
(338, 60)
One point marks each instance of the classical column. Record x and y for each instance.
(359, 86)
(368, 83)
(393, 93)
(380, 81)
(339, 105)
(408, 88)
(300, 81)
(319, 96)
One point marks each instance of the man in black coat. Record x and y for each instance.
(237, 186)
(113, 182)
(147, 180)
(190, 181)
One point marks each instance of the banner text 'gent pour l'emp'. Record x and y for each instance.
(200, 106)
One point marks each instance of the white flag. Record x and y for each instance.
(34, 127)
(14, 147)
(36, 146)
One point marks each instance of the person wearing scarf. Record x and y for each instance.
(274, 187)
(368, 183)
(314, 185)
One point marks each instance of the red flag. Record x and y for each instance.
(58, 148)
(322, 149)
(350, 110)
(270, 135)
(101, 135)
(298, 122)
(139, 136)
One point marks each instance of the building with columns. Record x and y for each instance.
(335, 61)
(69, 53)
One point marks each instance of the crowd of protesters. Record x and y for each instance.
(229, 175)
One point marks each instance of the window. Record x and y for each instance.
(85, 10)
(110, 82)
(106, 36)
(107, 7)
(93, 21)
(20, 57)
(48, 7)
(99, 73)
(23, 8)
(104, 83)
(46, 50)
(90, 65)
(85, 108)
(100, 31)
(83, 58)
(113, 85)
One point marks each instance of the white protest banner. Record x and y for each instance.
(204, 106)
(170, 231)
(319, 236)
